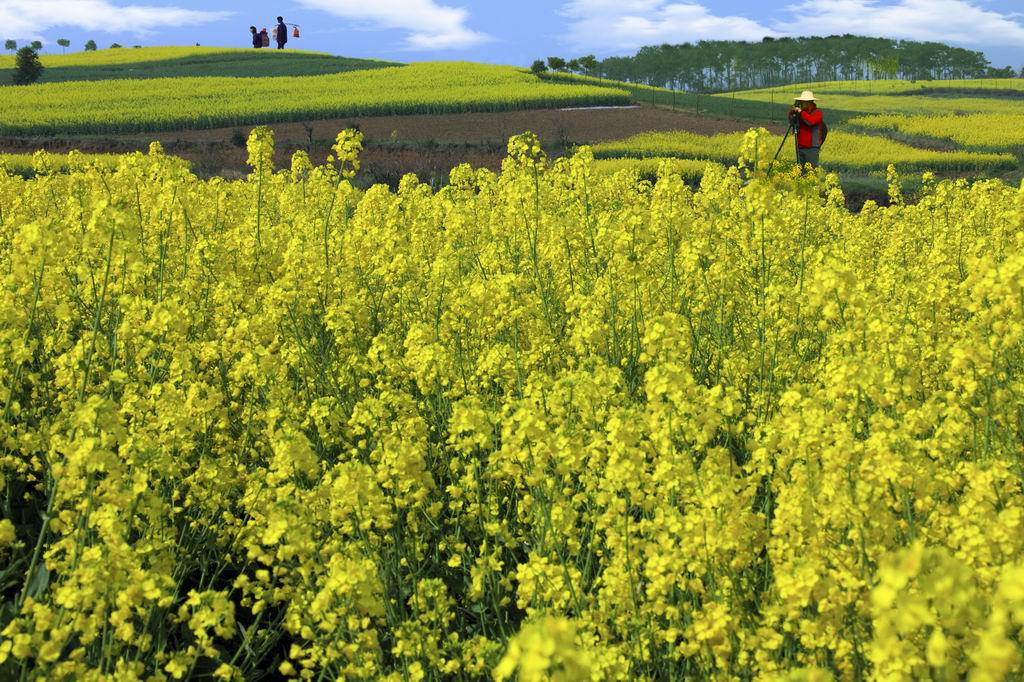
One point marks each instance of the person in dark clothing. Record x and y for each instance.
(256, 40)
(282, 33)
(809, 122)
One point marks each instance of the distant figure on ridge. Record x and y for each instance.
(281, 33)
(257, 41)
(264, 38)
(809, 122)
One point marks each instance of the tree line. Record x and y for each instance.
(723, 65)
(90, 45)
(28, 68)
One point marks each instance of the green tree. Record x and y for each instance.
(90, 46)
(556, 63)
(887, 66)
(36, 45)
(27, 67)
(11, 45)
(718, 65)
(538, 67)
(64, 43)
(115, 46)
(589, 64)
(573, 65)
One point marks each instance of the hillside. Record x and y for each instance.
(121, 106)
(180, 62)
(202, 101)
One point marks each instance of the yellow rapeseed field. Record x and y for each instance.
(548, 424)
(847, 151)
(195, 103)
(984, 131)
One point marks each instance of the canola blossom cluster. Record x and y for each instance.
(542, 424)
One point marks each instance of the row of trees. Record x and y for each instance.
(90, 45)
(12, 45)
(585, 65)
(723, 65)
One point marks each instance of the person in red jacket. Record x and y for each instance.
(809, 122)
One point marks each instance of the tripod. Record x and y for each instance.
(791, 129)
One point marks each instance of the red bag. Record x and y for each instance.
(295, 32)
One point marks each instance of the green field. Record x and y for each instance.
(179, 62)
(844, 99)
(697, 103)
(122, 106)
(934, 88)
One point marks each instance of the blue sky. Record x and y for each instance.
(513, 32)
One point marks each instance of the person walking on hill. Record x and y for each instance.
(282, 33)
(809, 122)
(257, 41)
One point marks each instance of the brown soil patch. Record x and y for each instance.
(428, 145)
(578, 126)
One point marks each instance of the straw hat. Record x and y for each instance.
(806, 96)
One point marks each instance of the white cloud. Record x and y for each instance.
(27, 18)
(949, 21)
(624, 25)
(430, 26)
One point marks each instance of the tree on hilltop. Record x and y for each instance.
(36, 45)
(11, 45)
(64, 43)
(90, 46)
(538, 67)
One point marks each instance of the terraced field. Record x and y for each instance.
(195, 100)
(906, 87)
(848, 98)
(846, 151)
(983, 131)
(123, 106)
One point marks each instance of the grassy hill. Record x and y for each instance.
(182, 62)
(120, 106)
